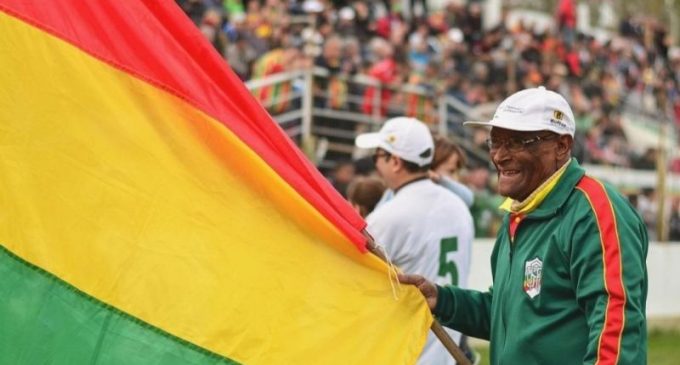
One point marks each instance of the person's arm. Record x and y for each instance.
(459, 189)
(467, 311)
(609, 276)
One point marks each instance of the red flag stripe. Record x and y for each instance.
(208, 85)
(609, 343)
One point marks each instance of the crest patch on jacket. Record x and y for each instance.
(533, 273)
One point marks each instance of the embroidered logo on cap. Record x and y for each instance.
(557, 119)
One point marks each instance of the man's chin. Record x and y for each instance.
(507, 192)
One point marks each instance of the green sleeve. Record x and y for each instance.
(464, 310)
(609, 276)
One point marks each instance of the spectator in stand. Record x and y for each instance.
(384, 71)
(194, 9)
(647, 161)
(365, 20)
(365, 167)
(649, 210)
(241, 55)
(276, 97)
(210, 26)
(419, 102)
(346, 26)
(334, 85)
(419, 53)
(331, 91)
(364, 193)
(566, 20)
(341, 176)
(471, 25)
(417, 9)
(449, 159)
(487, 216)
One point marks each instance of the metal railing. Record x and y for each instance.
(323, 112)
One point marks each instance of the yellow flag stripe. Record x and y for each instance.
(161, 212)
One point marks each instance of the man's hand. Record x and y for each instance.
(428, 289)
(434, 176)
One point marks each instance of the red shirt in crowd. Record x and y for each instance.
(384, 71)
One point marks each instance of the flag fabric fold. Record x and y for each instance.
(154, 213)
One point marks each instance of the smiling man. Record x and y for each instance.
(569, 272)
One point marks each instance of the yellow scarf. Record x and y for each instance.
(536, 197)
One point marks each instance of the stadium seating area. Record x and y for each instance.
(448, 51)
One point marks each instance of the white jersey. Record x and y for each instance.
(427, 230)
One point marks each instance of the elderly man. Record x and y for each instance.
(569, 274)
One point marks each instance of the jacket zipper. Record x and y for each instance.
(508, 284)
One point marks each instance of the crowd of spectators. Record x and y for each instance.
(448, 51)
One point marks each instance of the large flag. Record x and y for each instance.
(151, 212)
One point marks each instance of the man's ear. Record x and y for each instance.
(564, 144)
(397, 163)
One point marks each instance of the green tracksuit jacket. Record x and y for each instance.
(569, 282)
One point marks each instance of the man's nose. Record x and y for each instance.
(500, 154)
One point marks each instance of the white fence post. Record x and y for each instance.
(377, 107)
(443, 116)
(307, 105)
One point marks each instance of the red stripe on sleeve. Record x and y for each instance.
(610, 338)
(156, 42)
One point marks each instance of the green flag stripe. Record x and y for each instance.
(44, 320)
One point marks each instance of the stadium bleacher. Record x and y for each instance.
(363, 61)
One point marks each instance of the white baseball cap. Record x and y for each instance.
(535, 109)
(312, 6)
(407, 138)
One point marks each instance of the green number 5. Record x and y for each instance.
(449, 244)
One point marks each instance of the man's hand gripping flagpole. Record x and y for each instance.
(436, 327)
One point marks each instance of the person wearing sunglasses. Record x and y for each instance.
(424, 228)
(568, 265)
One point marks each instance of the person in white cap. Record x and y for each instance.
(424, 228)
(569, 272)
